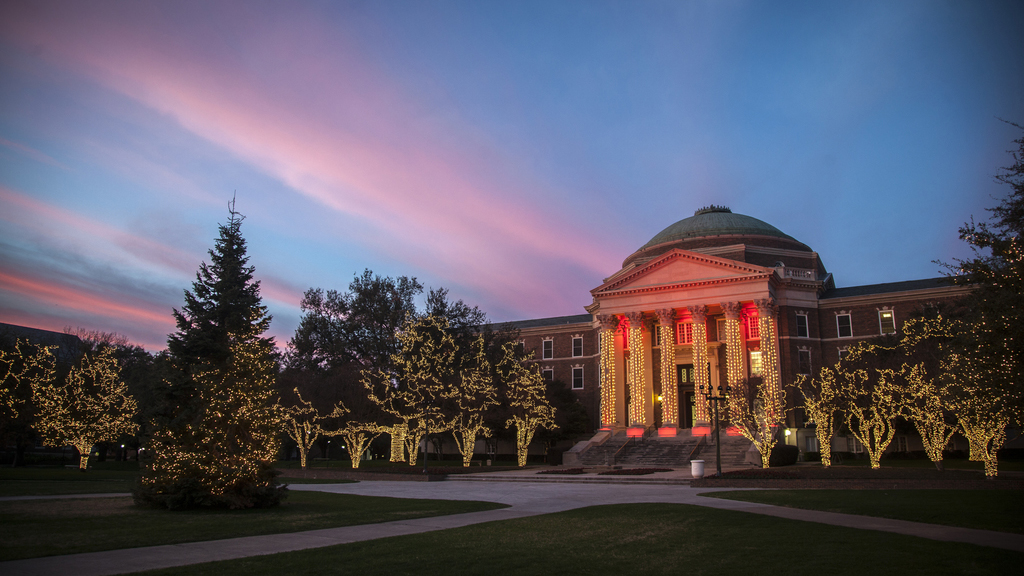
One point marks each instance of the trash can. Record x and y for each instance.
(697, 468)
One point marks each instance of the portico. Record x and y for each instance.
(710, 319)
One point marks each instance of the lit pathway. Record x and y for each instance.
(525, 499)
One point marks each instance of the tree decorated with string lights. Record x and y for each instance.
(225, 457)
(473, 396)
(216, 438)
(983, 369)
(756, 411)
(303, 423)
(415, 390)
(823, 400)
(525, 398)
(874, 398)
(92, 405)
(23, 368)
(925, 342)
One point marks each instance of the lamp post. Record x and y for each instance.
(718, 430)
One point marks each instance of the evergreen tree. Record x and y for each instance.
(216, 436)
(995, 345)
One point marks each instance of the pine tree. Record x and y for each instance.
(995, 342)
(216, 438)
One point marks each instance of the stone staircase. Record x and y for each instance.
(734, 453)
(671, 452)
(651, 452)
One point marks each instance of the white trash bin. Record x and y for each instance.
(697, 468)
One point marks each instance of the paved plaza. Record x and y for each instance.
(524, 498)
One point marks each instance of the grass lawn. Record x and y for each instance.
(32, 528)
(50, 481)
(1001, 510)
(633, 539)
(958, 464)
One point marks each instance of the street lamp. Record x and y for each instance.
(718, 430)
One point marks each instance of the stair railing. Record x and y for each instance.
(696, 449)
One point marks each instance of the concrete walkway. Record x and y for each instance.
(525, 499)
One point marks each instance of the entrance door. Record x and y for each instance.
(687, 401)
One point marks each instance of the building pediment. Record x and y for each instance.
(680, 269)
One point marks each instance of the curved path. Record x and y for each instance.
(524, 498)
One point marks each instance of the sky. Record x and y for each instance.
(513, 152)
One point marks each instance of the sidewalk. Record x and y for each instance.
(525, 499)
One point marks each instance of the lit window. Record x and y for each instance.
(801, 326)
(547, 374)
(803, 361)
(577, 378)
(548, 350)
(684, 333)
(720, 327)
(844, 325)
(886, 322)
(755, 362)
(577, 346)
(753, 331)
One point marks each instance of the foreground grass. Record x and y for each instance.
(632, 539)
(1000, 510)
(33, 528)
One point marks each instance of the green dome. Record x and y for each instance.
(715, 221)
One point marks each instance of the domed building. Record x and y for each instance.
(717, 302)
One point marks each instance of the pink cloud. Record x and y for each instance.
(44, 218)
(362, 147)
(77, 298)
(31, 153)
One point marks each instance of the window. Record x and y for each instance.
(577, 378)
(753, 331)
(803, 358)
(801, 326)
(684, 333)
(844, 325)
(843, 352)
(548, 350)
(852, 445)
(901, 444)
(886, 322)
(577, 346)
(720, 327)
(548, 374)
(755, 362)
(811, 444)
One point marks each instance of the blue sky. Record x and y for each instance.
(513, 152)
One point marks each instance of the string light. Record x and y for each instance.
(823, 398)
(608, 326)
(226, 453)
(702, 385)
(635, 369)
(475, 395)
(527, 400)
(92, 406)
(733, 355)
(669, 388)
(23, 370)
(873, 400)
(302, 424)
